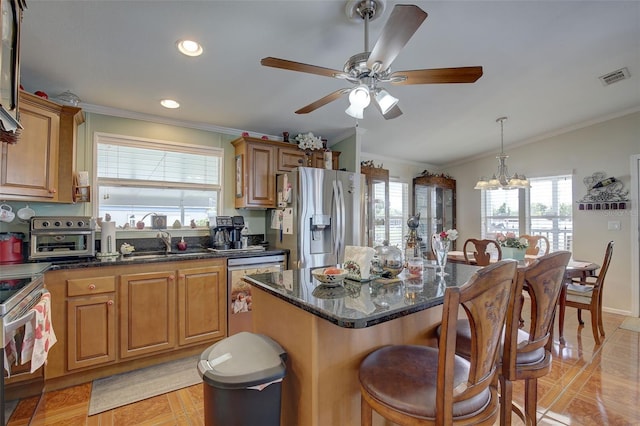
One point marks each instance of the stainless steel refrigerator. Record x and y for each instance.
(319, 212)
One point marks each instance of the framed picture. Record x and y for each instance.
(9, 44)
(239, 176)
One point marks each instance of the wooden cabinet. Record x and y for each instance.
(147, 312)
(112, 319)
(255, 185)
(258, 161)
(91, 321)
(202, 311)
(41, 165)
(377, 204)
(434, 197)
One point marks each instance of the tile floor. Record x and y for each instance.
(588, 385)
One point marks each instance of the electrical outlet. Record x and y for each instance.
(613, 225)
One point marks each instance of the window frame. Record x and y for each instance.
(164, 145)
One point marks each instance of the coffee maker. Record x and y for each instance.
(227, 234)
(220, 234)
(236, 232)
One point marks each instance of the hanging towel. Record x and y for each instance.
(10, 353)
(39, 335)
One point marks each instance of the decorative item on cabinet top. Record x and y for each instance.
(603, 193)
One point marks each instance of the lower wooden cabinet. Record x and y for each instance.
(116, 318)
(147, 312)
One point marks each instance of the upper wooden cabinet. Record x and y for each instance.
(434, 197)
(40, 167)
(377, 204)
(257, 162)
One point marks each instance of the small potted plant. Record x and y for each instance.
(512, 247)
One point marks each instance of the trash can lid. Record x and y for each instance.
(242, 360)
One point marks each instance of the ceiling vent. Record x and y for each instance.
(615, 76)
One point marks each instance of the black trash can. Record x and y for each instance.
(242, 377)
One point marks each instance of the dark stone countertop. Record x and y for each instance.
(155, 257)
(362, 304)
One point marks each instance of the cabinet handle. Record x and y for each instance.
(182, 276)
(110, 302)
(172, 277)
(52, 191)
(92, 286)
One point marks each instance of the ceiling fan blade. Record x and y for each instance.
(322, 101)
(299, 66)
(438, 76)
(404, 21)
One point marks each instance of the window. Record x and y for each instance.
(136, 177)
(545, 209)
(398, 213)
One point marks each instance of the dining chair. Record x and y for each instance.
(586, 293)
(538, 244)
(481, 254)
(413, 384)
(526, 353)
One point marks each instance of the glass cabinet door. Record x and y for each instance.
(434, 197)
(377, 205)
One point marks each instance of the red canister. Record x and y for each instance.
(11, 247)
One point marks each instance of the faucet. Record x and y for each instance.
(165, 237)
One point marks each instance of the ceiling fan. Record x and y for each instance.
(369, 69)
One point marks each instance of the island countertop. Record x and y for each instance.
(355, 304)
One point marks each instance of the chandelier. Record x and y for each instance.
(502, 179)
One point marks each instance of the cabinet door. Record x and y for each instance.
(435, 199)
(202, 298)
(290, 158)
(91, 327)
(260, 176)
(147, 313)
(29, 168)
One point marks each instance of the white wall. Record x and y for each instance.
(606, 146)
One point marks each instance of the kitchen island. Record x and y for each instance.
(327, 331)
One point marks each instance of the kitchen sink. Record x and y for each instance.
(161, 255)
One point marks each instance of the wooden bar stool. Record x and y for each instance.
(411, 384)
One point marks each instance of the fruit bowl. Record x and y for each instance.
(329, 275)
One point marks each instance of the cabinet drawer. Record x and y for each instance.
(86, 286)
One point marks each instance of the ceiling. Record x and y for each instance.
(541, 62)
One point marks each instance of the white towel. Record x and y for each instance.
(39, 336)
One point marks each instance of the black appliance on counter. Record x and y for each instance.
(227, 234)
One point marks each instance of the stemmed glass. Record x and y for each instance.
(441, 250)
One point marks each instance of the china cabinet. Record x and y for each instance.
(377, 204)
(434, 198)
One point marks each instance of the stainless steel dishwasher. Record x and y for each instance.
(240, 303)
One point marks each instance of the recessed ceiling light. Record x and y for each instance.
(189, 47)
(169, 103)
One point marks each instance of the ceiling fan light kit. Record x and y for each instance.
(369, 69)
(502, 179)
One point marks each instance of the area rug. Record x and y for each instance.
(122, 389)
(631, 323)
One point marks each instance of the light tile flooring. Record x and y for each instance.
(588, 385)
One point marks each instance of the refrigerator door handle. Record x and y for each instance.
(338, 192)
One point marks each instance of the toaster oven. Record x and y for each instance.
(54, 237)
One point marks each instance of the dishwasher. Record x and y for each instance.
(240, 303)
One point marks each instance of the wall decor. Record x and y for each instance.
(603, 193)
(239, 176)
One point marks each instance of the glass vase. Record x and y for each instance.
(441, 250)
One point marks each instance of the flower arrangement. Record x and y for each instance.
(510, 240)
(308, 141)
(449, 235)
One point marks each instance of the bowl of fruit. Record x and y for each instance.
(330, 275)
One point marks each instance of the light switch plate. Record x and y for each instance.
(613, 225)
